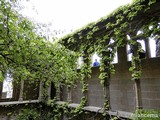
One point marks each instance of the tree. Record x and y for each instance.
(28, 55)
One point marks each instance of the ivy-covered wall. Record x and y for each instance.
(122, 90)
(121, 83)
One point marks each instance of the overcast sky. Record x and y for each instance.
(70, 14)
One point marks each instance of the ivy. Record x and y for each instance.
(151, 2)
(1, 76)
(95, 29)
(136, 74)
(106, 109)
(119, 25)
(71, 39)
(27, 114)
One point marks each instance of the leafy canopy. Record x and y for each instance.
(28, 55)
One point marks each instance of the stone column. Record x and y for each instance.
(69, 99)
(84, 82)
(58, 97)
(1, 88)
(122, 54)
(138, 93)
(49, 92)
(148, 52)
(40, 91)
(21, 91)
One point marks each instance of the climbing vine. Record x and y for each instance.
(121, 23)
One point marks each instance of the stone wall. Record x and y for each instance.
(95, 89)
(150, 83)
(122, 91)
(31, 90)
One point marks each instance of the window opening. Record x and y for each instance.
(95, 60)
(7, 90)
(142, 53)
(157, 42)
(115, 59)
(80, 62)
(153, 47)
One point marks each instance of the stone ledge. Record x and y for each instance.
(73, 105)
(18, 102)
(60, 102)
(93, 109)
(122, 114)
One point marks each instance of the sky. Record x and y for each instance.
(69, 15)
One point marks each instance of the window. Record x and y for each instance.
(7, 89)
(129, 51)
(80, 62)
(152, 45)
(95, 58)
(115, 59)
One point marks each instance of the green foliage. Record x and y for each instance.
(28, 114)
(29, 55)
(136, 70)
(151, 2)
(58, 110)
(106, 108)
(114, 118)
(1, 76)
(119, 25)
